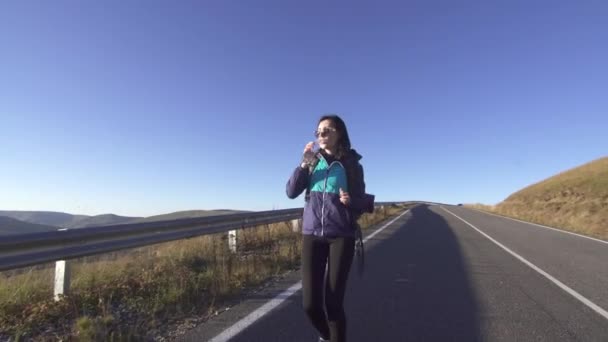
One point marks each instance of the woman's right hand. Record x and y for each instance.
(309, 147)
(307, 150)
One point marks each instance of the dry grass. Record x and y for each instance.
(480, 206)
(575, 200)
(128, 295)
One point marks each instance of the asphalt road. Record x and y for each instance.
(438, 274)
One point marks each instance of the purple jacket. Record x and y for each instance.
(324, 214)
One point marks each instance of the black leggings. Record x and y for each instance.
(337, 254)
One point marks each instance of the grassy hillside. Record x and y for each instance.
(11, 226)
(576, 200)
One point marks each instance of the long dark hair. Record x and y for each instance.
(343, 141)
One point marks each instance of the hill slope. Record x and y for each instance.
(64, 220)
(100, 220)
(51, 218)
(185, 214)
(11, 226)
(575, 200)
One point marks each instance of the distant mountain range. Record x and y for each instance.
(64, 220)
(186, 214)
(10, 226)
(20, 222)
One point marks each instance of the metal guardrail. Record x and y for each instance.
(23, 250)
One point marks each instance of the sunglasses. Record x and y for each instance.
(325, 132)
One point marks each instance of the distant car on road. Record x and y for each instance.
(460, 204)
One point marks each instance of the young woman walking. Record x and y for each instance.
(335, 198)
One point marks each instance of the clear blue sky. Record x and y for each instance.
(148, 107)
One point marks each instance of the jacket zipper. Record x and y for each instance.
(323, 202)
(324, 192)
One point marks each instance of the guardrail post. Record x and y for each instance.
(232, 241)
(62, 277)
(296, 225)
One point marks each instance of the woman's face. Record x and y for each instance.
(327, 135)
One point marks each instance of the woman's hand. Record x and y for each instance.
(306, 154)
(309, 146)
(344, 197)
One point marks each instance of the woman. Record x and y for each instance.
(335, 198)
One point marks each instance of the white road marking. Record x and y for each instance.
(260, 312)
(564, 287)
(542, 226)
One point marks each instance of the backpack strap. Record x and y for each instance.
(359, 250)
